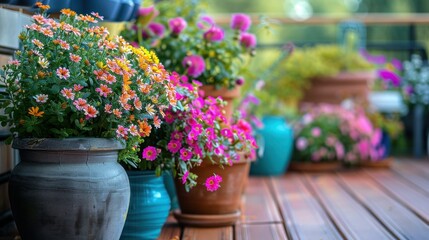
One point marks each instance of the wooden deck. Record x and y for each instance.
(353, 204)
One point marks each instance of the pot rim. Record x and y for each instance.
(68, 144)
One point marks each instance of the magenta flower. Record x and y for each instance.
(213, 183)
(239, 81)
(375, 59)
(339, 150)
(195, 65)
(214, 34)
(174, 146)
(316, 132)
(185, 177)
(185, 154)
(157, 29)
(397, 64)
(301, 143)
(388, 75)
(146, 11)
(205, 22)
(240, 22)
(226, 132)
(150, 153)
(248, 40)
(177, 25)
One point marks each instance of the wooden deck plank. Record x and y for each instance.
(398, 219)
(303, 216)
(170, 232)
(413, 173)
(217, 233)
(353, 220)
(415, 200)
(258, 204)
(260, 231)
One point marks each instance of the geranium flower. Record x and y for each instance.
(195, 65)
(177, 25)
(213, 183)
(240, 22)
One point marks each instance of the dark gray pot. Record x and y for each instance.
(69, 189)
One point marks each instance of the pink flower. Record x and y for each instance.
(157, 29)
(227, 133)
(146, 11)
(240, 22)
(80, 104)
(205, 22)
(195, 65)
(177, 25)
(122, 131)
(301, 143)
(248, 40)
(185, 177)
(214, 34)
(213, 183)
(174, 146)
(176, 135)
(185, 154)
(90, 111)
(150, 153)
(63, 73)
(316, 132)
(67, 93)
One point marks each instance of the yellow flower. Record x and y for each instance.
(34, 111)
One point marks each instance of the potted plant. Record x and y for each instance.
(71, 91)
(328, 136)
(196, 47)
(336, 73)
(208, 155)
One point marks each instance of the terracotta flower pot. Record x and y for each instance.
(385, 163)
(334, 89)
(199, 207)
(229, 95)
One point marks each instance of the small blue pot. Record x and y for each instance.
(171, 189)
(277, 142)
(57, 5)
(125, 11)
(149, 206)
(107, 8)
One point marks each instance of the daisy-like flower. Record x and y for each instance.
(185, 154)
(90, 111)
(14, 62)
(174, 146)
(150, 153)
(96, 15)
(63, 73)
(122, 131)
(138, 104)
(43, 62)
(108, 108)
(144, 128)
(41, 98)
(38, 43)
(185, 177)
(47, 32)
(75, 58)
(77, 87)
(80, 104)
(213, 183)
(156, 121)
(104, 90)
(34, 111)
(149, 109)
(67, 93)
(117, 113)
(133, 130)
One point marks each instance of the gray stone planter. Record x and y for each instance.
(69, 189)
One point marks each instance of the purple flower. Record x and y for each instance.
(376, 59)
(214, 34)
(195, 65)
(157, 29)
(301, 143)
(239, 81)
(248, 40)
(397, 64)
(316, 132)
(240, 22)
(205, 22)
(177, 25)
(388, 75)
(409, 90)
(146, 11)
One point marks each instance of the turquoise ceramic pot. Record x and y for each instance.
(171, 189)
(149, 206)
(276, 147)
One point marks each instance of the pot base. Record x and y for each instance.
(206, 220)
(315, 167)
(385, 163)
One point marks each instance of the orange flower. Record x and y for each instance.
(34, 111)
(68, 12)
(144, 128)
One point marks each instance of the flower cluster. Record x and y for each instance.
(196, 131)
(71, 79)
(388, 73)
(416, 81)
(332, 133)
(203, 50)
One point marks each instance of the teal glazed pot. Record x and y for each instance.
(171, 189)
(277, 143)
(149, 206)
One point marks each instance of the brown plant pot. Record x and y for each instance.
(385, 163)
(229, 95)
(199, 207)
(335, 89)
(315, 166)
